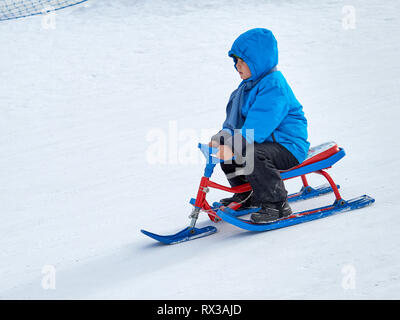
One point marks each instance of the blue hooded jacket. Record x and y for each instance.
(270, 107)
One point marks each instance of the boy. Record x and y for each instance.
(264, 123)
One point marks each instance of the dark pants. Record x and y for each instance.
(265, 179)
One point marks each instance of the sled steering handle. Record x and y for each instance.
(207, 150)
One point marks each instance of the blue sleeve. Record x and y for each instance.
(265, 114)
(228, 130)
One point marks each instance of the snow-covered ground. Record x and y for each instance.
(80, 104)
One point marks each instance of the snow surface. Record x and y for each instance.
(79, 104)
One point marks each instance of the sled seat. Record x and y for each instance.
(319, 157)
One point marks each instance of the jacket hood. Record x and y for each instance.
(259, 49)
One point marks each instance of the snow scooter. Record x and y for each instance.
(319, 159)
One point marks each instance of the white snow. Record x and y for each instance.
(79, 102)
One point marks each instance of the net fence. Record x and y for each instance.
(13, 9)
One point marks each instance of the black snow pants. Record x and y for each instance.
(265, 178)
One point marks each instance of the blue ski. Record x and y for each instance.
(183, 235)
(230, 215)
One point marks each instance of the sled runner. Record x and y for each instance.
(319, 159)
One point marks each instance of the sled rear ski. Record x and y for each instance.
(319, 159)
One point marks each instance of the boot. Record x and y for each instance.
(244, 198)
(271, 211)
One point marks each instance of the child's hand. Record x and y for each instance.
(224, 153)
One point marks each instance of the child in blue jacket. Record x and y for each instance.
(265, 126)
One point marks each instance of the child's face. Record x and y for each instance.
(243, 69)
